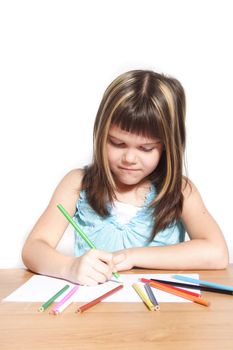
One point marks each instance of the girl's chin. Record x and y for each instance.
(126, 181)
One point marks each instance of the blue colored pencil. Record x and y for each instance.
(194, 286)
(151, 296)
(203, 283)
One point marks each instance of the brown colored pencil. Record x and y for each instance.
(98, 300)
(184, 295)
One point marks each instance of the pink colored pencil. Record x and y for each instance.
(65, 301)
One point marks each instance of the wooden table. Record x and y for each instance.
(119, 325)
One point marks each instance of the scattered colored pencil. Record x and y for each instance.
(52, 299)
(151, 296)
(98, 300)
(203, 283)
(171, 290)
(145, 280)
(65, 302)
(80, 232)
(194, 286)
(143, 296)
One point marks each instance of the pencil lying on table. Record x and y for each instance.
(53, 298)
(194, 286)
(65, 302)
(204, 283)
(178, 293)
(99, 299)
(144, 297)
(145, 280)
(151, 296)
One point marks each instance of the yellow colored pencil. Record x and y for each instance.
(143, 296)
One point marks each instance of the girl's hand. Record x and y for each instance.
(122, 260)
(95, 266)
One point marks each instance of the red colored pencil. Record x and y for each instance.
(145, 280)
(99, 299)
(182, 294)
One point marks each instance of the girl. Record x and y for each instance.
(132, 201)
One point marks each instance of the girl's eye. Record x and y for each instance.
(151, 148)
(120, 144)
(147, 149)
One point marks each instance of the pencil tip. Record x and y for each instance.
(117, 280)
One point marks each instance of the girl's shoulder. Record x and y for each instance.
(188, 188)
(68, 190)
(192, 200)
(73, 179)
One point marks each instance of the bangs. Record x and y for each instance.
(140, 118)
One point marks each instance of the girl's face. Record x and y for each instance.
(131, 157)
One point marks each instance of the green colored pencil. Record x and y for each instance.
(53, 298)
(79, 231)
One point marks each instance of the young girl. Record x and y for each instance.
(132, 201)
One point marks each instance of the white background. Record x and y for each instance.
(57, 58)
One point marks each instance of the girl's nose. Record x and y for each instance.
(129, 156)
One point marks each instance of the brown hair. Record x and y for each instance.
(151, 105)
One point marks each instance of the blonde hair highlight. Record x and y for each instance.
(149, 104)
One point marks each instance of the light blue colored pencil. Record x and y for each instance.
(202, 283)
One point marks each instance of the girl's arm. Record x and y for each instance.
(39, 252)
(206, 248)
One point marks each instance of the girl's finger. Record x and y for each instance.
(88, 281)
(97, 276)
(103, 256)
(103, 269)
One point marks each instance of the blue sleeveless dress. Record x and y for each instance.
(110, 235)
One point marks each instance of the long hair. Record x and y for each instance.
(151, 105)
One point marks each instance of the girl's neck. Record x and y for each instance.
(133, 194)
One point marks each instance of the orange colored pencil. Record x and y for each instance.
(99, 299)
(184, 295)
(145, 280)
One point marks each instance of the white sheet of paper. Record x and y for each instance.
(41, 288)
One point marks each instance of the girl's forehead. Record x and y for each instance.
(117, 132)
